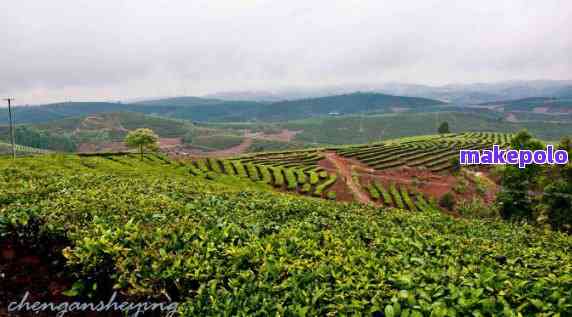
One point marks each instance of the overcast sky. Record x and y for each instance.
(111, 49)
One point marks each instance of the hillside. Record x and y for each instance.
(116, 125)
(373, 128)
(218, 110)
(223, 246)
(534, 104)
(206, 109)
(6, 149)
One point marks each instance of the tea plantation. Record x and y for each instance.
(228, 246)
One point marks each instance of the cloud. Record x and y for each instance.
(110, 49)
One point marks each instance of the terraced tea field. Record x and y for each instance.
(287, 174)
(435, 153)
(6, 148)
(338, 173)
(400, 197)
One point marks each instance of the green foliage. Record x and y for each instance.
(188, 138)
(331, 195)
(301, 176)
(291, 182)
(278, 176)
(266, 176)
(382, 127)
(29, 136)
(444, 128)
(306, 188)
(252, 172)
(325, 185)
(214, 165)
(476, 208)
(448, 201)
(217, 142)
(407, 199)
(515, 200)
(373, 193)
(240, 170)
(396, 197)
(387, 200)
(224, 250)
(142, 139)
(314, 178)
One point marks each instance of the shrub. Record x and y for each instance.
(266, 176)
(476, 208)
(314, 178)
(252, 172)
(447, 201)
(331, 195)
(385, 194)
(291, 182)
(396, 197)
(306, 188)
(325, 185)
(373, 193)
(211, 175)
(240, 170)
(278, 176)
(214, 165)
(407, 199)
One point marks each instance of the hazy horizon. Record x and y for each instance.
(109, 50)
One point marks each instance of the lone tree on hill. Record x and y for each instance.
(444, 128)
(142, 139)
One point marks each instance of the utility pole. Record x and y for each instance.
(12, 138)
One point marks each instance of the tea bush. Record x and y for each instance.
(235, 250)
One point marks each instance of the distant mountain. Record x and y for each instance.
(483, 92)
(534, 104)
(219, 110)
(342, 104)
(262, 96)
(208, 109)
(56, 111)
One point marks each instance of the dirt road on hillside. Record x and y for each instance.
(345, 170)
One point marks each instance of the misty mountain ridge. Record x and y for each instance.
(208, 109)
(463, 94)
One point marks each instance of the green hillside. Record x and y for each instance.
(528, 104)
(227, 247)
(373, 128)
(203, 109)
(116, 124)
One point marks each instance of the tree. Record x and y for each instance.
(557, 197)
(444, 128)
(517, 199)
(143, 139)
(188, 137)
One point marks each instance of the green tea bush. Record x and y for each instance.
(396, 197)
(291, 182)
(252, 172)
(373, 193)
(223, 250)
(447, 201)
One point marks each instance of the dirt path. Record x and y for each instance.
(345, 169)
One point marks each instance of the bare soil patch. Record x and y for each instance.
(284, 136)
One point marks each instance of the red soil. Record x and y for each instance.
(344, 169)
